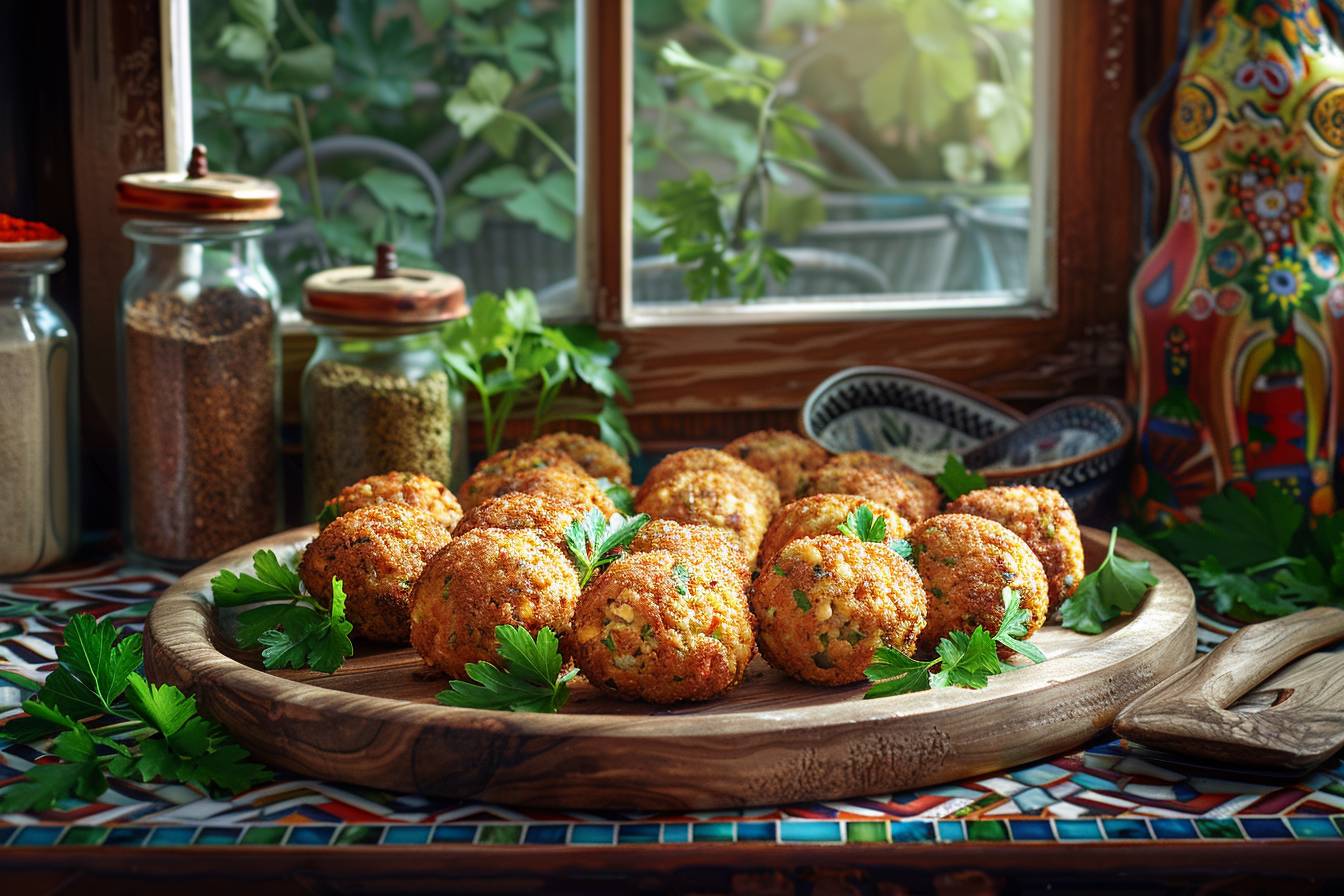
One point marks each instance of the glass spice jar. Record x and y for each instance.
(376, 397)
(39, 423)
(199, 345)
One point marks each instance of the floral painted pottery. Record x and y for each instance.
(1236, 330)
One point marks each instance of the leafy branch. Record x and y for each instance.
(963, 660)
(502, 349)
(107, 720)
(293, 629)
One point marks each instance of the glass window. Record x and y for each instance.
(842, 153)
(444, 126)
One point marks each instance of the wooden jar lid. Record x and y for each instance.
(199, 194)
(383, 294)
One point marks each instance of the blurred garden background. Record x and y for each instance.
(806, 148)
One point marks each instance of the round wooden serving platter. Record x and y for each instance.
(773, 740)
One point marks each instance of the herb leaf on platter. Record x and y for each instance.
(1114, 588)
(956, 480)
(529, 682)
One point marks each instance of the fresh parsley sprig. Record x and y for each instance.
(865, 525)
(529, 682)
(107, 720)
(1112, 589)
(956, 480)
(293, 629)
(620, 496)
(965, 661)
(594, 540)
(1257, 555)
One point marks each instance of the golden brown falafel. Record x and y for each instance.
(869, 460)
(821, 515)
(660, 627)
(411, 489)
(965, 562)
(694, 541)
(1044, 520)
(573, 487)
(785, 457)
(891, 489)
(597, 458)
(486, 578)
(713, 499)
(930, 496)
(378, 553)
(491, 473)
(708, 459)
(543, 514)
(826, 603)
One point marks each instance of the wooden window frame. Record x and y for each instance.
(701, 383)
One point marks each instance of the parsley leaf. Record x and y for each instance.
(156, 734)
(1112, 589)
(865, 525)
(530, 681)
(902, 548)
(273, 581)
(330, 511)
(963, 660)
(1014, 627)
(594, 540)
(620, 495)
(956, 480)
(298, 634)
(1237, 529)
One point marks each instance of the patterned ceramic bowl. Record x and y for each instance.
(1077, 445)
(896, 411)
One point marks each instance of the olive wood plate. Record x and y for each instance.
(773, 740)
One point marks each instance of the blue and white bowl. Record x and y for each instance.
(892, 410)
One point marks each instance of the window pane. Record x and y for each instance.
(445, 127)
(883, 147)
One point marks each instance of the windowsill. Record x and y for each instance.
(915, 306)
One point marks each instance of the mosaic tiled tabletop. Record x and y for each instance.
(1109, 791)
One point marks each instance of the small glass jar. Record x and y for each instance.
(39, 406)
(376, 397)
(199, 345)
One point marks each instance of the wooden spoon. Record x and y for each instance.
(1295, 719)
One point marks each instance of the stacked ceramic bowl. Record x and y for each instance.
(1077, 445)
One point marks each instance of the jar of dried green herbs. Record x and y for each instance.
(376, 397)
(199, 345)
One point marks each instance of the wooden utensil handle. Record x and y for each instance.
(1252, 654)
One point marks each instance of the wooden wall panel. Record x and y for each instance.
(116, 122)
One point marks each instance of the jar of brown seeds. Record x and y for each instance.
(199, 347)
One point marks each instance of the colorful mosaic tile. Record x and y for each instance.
(1108, 791)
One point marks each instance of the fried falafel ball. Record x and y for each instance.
(378, 553)
(785, 457)
(891, 489)
(930, 496)
(486, 578)
(491, 473)
(713, 499)
(827, 603)
(1044, 520)
(573, 487)
(821, 515)
(870, 460)
(965, 562)
(597, 458)
(546, 515)
(660, 627)
(693, 541)
(411, 489)
(707, 459)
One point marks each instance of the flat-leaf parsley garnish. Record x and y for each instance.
(1113, 588)
(594, 540)
(292, 627)
(107, 720)
(956, 480)
(529, 682)
(965, 661)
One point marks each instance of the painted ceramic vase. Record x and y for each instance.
(1236, 331)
